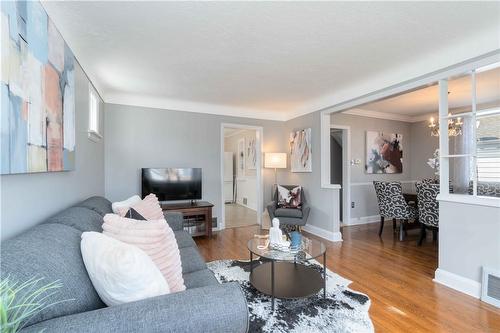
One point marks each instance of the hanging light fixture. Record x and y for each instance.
(454, 126)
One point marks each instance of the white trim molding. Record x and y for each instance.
(362, 220)
(457, 282)
(320, 232)
(470, 200)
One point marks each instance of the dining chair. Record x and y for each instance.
(428, 209)
(392, 204)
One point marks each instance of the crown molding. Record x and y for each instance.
(379, 115)
(390, 116)
(187, 106)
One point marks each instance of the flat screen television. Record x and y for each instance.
(170, 184)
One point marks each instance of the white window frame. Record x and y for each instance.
(444, 159)
(94, 132)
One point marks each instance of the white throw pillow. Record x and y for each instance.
(120, 272)
(125, 203)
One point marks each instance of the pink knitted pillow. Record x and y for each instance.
(156, 238)
(149, 207)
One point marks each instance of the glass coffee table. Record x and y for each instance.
(284, 274)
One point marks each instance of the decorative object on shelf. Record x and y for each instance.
(300, 150)
(38, 93)
(384, 152)
(241, 157)
(434, 161)
(276, 236)
(454, 126)
(251, 154)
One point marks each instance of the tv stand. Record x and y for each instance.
(194, 212)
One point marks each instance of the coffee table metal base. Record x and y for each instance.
(289, 280)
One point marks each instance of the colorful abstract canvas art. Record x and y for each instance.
(384, 152)
(300, 151)
(38, 92)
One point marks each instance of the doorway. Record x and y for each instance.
(339, 167)
(241, 175)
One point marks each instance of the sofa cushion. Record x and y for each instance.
(98, 204)
(51, 251)
(199, 279)
(154, 237)
(191, 260)
(184, 239)
(121, 206)
(81, 218)
(120, 272)
(288, 212)
(149, 207)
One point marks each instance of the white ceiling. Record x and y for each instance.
(254, 59)
(426, 100)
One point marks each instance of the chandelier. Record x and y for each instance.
(454, 126)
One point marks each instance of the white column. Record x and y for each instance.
(444, 166)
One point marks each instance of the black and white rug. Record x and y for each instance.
(343, 310)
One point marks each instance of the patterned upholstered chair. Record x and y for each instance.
(428, 209)
(392, 204)
(489, 189)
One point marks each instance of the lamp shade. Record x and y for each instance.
(275, 160)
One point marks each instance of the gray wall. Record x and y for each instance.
(362, 192)
(469, 238)
(28, 199)
(422, 147)
(140, 137)
(320, 199)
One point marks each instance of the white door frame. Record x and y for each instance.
(346, 172)
(259, 142)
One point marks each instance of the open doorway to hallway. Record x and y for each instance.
(241, 171)
(339, 166)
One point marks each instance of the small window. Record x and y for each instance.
(94, 133)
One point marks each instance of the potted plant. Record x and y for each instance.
(19, 302)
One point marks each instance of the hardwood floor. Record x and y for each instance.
(239, 216)
(397, 276)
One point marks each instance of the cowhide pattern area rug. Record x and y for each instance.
(343, 310)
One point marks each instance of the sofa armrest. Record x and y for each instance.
(271, 208)
(174, 220)
(215, 308)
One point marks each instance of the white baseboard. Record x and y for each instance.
(457, 282)
(320, 232)
(363, 220)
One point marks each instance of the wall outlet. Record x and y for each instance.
(352, 204)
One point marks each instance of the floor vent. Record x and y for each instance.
(491, 287)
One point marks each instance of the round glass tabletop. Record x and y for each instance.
(310, 249)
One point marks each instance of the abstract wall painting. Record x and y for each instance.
(37, 92)
(384, 152)
(300, 150)
(251, 154)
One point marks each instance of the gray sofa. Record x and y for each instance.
(52, 250)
